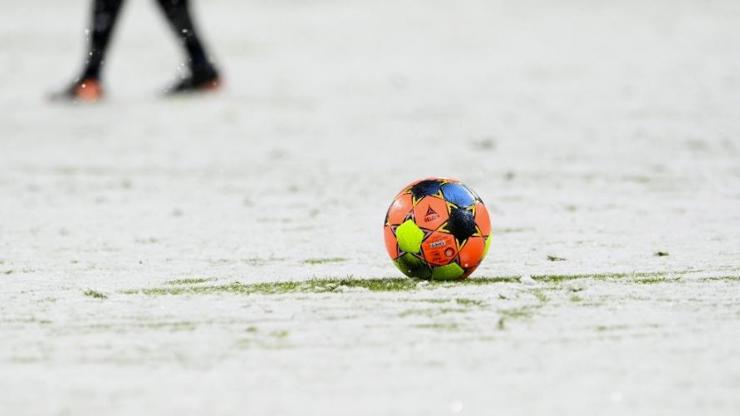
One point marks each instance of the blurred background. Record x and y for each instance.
(602, 135)
(596, 131)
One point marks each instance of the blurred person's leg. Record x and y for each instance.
(105, 15)
(203, 74)
(88, 87)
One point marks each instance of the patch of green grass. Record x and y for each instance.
(193, 281)
(196, 286)
(560, 278)
(648, 280)
(575, 298)
(722, 278)
(94, 294)
(490, 280)
(315, 286)
(656, 278)
(325, 260)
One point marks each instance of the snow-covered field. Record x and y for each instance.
(600, 133)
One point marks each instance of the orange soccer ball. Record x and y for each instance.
(437, 229)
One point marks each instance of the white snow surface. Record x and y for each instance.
(599, 132)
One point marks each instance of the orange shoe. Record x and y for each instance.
(86, 91)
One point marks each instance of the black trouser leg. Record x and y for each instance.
(105, 14)
(179, 16)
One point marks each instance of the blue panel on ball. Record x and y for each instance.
(458, 194)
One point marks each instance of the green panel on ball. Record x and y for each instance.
(412, 266)
(451, 271)
(409, 237)
(487, 246)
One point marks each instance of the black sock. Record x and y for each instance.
(105, 14)
(178, 14)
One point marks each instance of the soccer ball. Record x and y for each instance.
(437, 229)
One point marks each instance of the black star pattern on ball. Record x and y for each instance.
(461, 223)
(426, 188)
